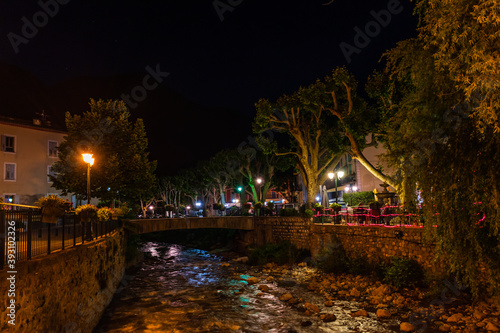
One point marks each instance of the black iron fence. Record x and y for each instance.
(23, 235)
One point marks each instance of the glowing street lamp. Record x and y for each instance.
(259, 181)
(331, 175)
(87, 158)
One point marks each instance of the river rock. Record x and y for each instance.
(286, 283)
(252, 280)
(225, 264)
(355, 292)
(454, 318)
(312, 308)
(264, 287)
(490, 327)
(241, 259)
(381, 291)
(406, 327)
(329, 304)
(383, 313)
(328, 318)
(360, 313)
(286, 297)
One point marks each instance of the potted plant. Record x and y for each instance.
(318, 208)
(336, 207)
(257, 206)
(86, 212)
(104, 213)
(53, 207)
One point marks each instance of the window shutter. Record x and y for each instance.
(3, 142)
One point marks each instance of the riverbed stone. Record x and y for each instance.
(252, 280)
(328, 303)
(406, 327)
(264, 287)
(383, 313)
(359, 313)
(328, 318)
(490, 327)
(286, 297)
(312, 307)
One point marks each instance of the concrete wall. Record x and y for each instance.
(65, 291)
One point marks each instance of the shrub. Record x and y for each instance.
(354, 198)
(308, 213)
(402, 272)
(282, 253)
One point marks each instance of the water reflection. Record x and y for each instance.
(187, 290)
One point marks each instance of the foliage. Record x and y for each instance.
(104, 213)
(442, 91)
(288, 212)
(336, 207)
(307, 213)
(355, 198)
(54, 201)
(86, 209)
(282, 253)
(402, 272)
(119, 147)
(318, 207)
(257, 205)
(247, 205)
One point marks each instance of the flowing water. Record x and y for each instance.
(179, 289)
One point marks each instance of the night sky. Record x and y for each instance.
(219, 61)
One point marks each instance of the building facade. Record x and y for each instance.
(28, 150)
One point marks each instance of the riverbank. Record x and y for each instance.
(406, 309)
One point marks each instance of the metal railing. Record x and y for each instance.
(385, 216)
(24, 236)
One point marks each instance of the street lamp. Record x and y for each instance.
(331, 175)
(259, 181)
(87, 158)
(351, 188)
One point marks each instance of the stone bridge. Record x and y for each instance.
(144, 226)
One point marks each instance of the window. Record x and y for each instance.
(50, 173)
(53, 148)
(8, 143)
(10, 171)
(350, 169)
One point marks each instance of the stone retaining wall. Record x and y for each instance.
(376, 244)
(65, 291)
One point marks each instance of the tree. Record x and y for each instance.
(311, 136)
(121, 170)
(444, 136)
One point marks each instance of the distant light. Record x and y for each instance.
(239, 189)
(259, 180)
(354, 188)
(347, 189)
(151, 207)
(188, 207)
(87, 158)
(340, 174)
(331, 175)
(198, 204)
(10, 199)
(317, 198)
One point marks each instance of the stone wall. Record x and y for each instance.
(376, 244)
(65, 291)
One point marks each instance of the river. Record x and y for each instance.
(180, 289)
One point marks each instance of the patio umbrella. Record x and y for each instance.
(324, 197)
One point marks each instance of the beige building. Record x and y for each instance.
(28, 150)
(356, 176)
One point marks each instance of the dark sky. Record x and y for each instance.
(219, 63)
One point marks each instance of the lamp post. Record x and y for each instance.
(259, 181)
(339, 175)
(87, 158)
